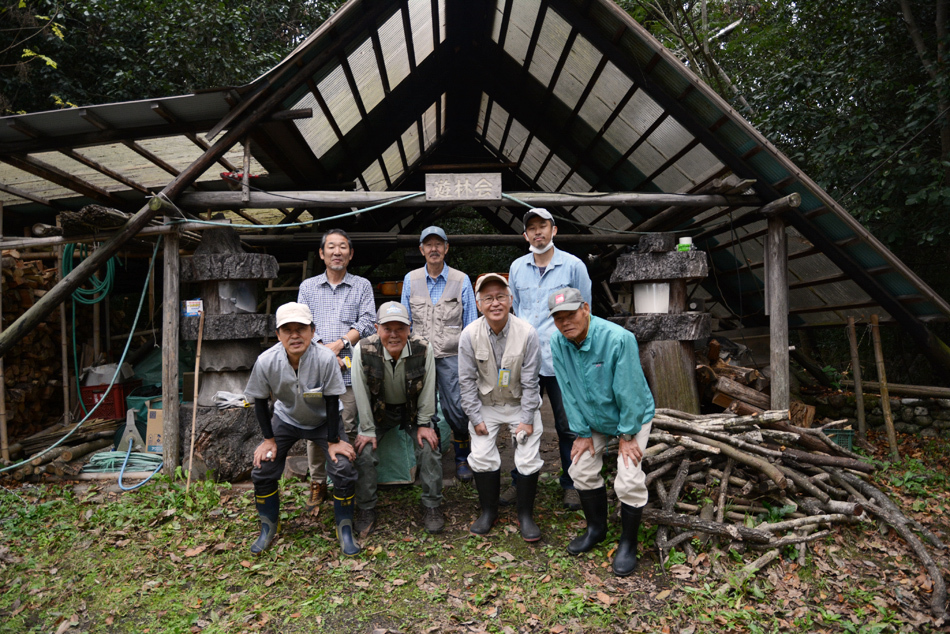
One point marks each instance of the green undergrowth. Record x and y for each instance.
(160, 560)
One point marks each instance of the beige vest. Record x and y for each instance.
(512, 359)
(442, 323)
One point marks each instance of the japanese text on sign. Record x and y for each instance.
(463, 186)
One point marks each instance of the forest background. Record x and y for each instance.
(856, 93)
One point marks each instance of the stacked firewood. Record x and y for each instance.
(32, 368)
(762, 483)
(67, 458)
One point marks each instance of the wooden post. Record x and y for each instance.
(858, 389)
(4, 440)
(882, 379)
(170, 317)
(64, 346)
(777, 300)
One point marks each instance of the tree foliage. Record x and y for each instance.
(104, 51)
(855, 93)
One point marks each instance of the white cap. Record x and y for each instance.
(539, 212)
(292, 312)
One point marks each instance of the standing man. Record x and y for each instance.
(394, 385)
(499, 358)
(343, 308)
(605, 394)
(441, 303)
(306, 384)
(532, 278)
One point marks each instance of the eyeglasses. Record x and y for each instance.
(488, 300)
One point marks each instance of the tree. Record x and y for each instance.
(134, 49)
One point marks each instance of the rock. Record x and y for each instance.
(910, 401)
(943, 402)
(875, 420)
(837, 400)
(942, 424)
(906, 414)
(905, 428)
(929, 432)
(895, 404)
(921, 411)
(923, 421)
(942, 415)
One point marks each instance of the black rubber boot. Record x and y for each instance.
(527, 490)
(594, 503)
(343, 514)
(268, 507)
(488, 484)
(625, 559)
(462, 471)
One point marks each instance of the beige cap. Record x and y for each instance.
(292, 312)
(490, 277)
(392, 311)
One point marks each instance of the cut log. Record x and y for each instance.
(727, 386)
(739, 533)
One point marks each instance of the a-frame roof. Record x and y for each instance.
(561, 95)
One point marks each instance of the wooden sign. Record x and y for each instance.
(463, 187)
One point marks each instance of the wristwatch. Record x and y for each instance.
(627, 437)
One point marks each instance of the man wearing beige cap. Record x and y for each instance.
(605, 394)
(499, 357)
(394, 385)
(305, 382)
(532, 278)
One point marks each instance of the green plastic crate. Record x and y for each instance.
(842, 437)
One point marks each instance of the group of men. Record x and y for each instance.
(342, 369)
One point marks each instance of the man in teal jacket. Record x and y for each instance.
(597, 364)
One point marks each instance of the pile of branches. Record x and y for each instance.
(67, 458)
(761, 466)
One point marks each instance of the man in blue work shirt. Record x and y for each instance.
(605, 394)
(441, 304)
(532, 278)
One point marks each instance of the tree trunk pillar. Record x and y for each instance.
(777, 305)
(170, 316)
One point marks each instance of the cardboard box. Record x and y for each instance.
(191, 307)
(153, 432)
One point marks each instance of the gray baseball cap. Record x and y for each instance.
(432, 231)
(539, 212)
(569, 299)
(392, 311)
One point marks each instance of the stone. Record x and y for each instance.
(942, 415)
(667, 327)
(943, 402)
(877, 411)
(910, 401)
(921, 411)
(923, 421)
(229, 327)
(929, 432)
(656, 243)
(875, 420)
(942, 424)
(906, 414)
(660, 267)
(837, 400)
(895, 404)
(905, 428)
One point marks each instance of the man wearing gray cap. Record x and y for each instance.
(394, 386)
(532, 278)
(440, 304)
(305, 382)
(605, 394)
(499, 356)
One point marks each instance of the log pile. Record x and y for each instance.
(767, 484)
(32, 369)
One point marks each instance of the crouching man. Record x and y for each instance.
(306, 383)
(394, 385)
(499, 360)
(597, 364)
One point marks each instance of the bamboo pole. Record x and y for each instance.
(858, 389)
(170, 325)
(882, 378)
(64, 347)
(194, 409)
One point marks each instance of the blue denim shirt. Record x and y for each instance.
(530, 291)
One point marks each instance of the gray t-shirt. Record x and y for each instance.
(298, 395)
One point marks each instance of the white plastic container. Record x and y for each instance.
(653, 297)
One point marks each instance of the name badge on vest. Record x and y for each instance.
(504, 378)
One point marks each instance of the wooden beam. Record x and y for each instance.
(28, 196)
(170, 326)
(55, 175)
(777, 304)
(264, 200)
(102, 169)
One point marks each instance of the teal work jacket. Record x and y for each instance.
(601, 381)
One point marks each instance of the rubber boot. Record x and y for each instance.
(527, 490)
(488, 484)
(462, 471)
(625, 559)
(268, 507)
(343, 514)
(594, 503)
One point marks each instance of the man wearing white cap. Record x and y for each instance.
(499, 357)
(441, 303)
(305, 382)
(394, 385)
(532, 278)
(605, 394)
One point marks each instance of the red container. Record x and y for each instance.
(114, 406)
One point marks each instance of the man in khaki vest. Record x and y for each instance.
(499, 361)
(440, 304)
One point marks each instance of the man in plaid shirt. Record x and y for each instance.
(343, 312)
